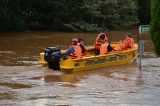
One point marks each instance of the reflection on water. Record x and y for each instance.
(23, 82)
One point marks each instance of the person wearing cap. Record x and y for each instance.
(127, 41)
(74, 50)
(101, 38)
(81, 44)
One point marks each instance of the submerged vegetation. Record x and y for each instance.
(68, 15)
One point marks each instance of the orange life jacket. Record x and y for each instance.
(103, 49)
(117, 48)
(98, 43)
(83, 49)
(127, 43)
(77, 53)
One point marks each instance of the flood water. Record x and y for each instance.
(24, 82)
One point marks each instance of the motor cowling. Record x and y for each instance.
(52, 56)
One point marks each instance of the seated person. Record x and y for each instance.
(74, 50)
(127, 42)
(81, 44)
(101, 38)
(109, 48)
(105, 48)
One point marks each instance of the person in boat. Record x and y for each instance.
(74, 50)
(110, 48)
(101, 38)
(127, 41)
(106, 48)
(81, 44)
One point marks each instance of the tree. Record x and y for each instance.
(4, 16)
(119, 13)
(144, 11)
(10, 16)
(66, 15)
(155, 25)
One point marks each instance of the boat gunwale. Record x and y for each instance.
(109, 54)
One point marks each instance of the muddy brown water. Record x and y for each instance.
(24, 82)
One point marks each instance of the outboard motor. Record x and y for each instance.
(52, 56)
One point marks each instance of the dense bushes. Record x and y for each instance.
(155, 25)
(144, 11)
(67, 15)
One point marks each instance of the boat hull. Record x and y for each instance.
(93, 62)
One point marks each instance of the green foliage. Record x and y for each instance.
(155, 25)
(4, 17)
(82, 27)
(144, 11)
(67, 15)
(119, 13)
(10, 16)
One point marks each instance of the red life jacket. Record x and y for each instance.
(98, 43)
(77, 53)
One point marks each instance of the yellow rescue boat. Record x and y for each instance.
(96, 61)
